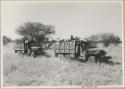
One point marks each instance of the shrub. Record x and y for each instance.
(105, 38)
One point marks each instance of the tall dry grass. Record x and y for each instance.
(22, 70)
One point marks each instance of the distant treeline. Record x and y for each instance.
(6, 40)
(105, 38)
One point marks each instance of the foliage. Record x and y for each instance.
(34, 30)
(105, 38)
(109, 38)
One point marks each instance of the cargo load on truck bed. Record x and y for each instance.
(67, 47)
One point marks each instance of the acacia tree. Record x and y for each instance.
(39, 31)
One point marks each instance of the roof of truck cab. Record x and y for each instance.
(84, 40)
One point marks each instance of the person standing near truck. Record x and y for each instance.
(84, 50)
(27, 46)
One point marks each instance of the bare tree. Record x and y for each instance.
(105, 38)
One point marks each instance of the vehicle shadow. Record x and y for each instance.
(110, 62)
(105, 60)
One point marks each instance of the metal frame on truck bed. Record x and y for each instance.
(75, 47)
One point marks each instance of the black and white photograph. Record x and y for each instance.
(62, 44)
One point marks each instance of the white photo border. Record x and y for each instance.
(72, 1)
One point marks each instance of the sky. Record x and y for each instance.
(69, 18)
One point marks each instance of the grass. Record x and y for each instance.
(22, 70)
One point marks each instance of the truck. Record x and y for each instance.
(80, 49)
(28, 47)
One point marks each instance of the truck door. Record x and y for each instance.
(77, 48)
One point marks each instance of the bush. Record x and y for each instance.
(109, 38)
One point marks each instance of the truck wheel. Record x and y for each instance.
(103, 58)
(85, 56)
(99, 58)
(15, 51)
(33, 54)
(92, 59)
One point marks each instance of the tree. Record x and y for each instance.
(34, 30)
(105, 38)
(110, 38)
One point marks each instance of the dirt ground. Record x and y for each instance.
(22, 70)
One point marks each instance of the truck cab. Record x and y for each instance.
(28, 47)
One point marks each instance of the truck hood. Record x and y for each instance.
(96, 51)
(35, 48)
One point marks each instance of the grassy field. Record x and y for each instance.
(22, 70)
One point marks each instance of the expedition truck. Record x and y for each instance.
(80, 49)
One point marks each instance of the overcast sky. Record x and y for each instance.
(79, 19)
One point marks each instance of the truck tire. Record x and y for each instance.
(85, 57)
(99, 58)
(33, 54)
(92, 59)
(15, 51)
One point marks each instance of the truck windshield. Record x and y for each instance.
(35, 44)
